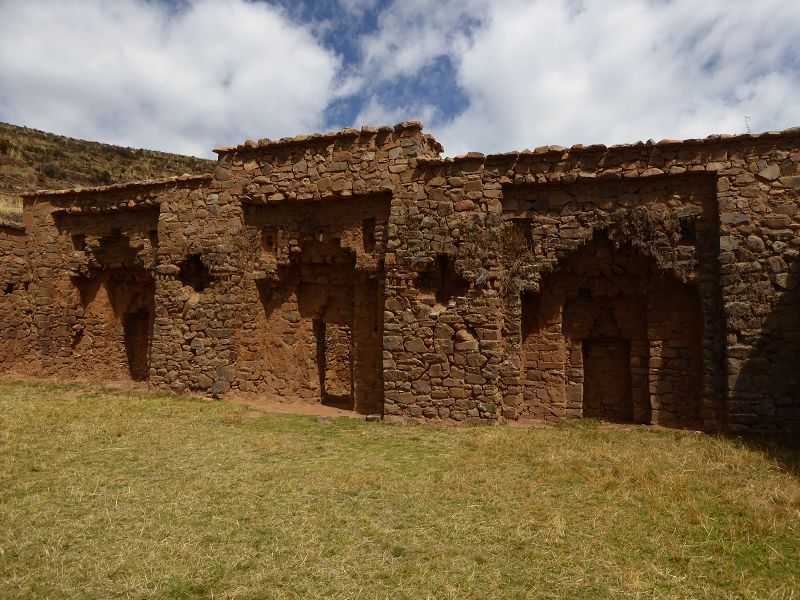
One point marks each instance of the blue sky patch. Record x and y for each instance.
(188, 75)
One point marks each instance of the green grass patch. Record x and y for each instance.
(107, 495)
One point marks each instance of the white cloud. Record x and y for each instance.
(136, 73)
(376, 114)
(414, 32)
(563, 72)
(357, 8)
(209, 72)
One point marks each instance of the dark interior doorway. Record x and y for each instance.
(335, 364)
(137, 326)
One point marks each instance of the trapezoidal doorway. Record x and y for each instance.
(611, 336)
(607, 389)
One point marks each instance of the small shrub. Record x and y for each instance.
(102, 177)
(53, 171)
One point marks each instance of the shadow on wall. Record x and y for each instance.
(766, 394)
(114, 299)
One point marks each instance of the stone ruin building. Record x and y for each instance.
(648, 283)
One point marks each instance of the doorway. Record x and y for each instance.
(335, 364)
(136, 326)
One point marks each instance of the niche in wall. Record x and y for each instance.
(443, 280)
(194, 273)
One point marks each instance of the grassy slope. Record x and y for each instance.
(106, 495)
(32, 159)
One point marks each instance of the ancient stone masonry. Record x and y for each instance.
(647, 283)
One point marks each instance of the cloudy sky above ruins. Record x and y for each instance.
(186, 75)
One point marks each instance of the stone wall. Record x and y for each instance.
(93, 256)
(313, 269)
(15, 299)
(651, 283)
(510, 224)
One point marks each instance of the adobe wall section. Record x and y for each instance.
(93, 256)
(111, 272)
(314, 228)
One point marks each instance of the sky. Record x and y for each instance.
(482, 75)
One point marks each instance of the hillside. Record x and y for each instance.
(31, 159)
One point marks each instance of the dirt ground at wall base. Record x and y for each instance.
(267, 404)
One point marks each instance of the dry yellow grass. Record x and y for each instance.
(32, 159)
(10, 208)
(10, 203)
(104, 495)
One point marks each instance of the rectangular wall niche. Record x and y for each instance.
(607, 379)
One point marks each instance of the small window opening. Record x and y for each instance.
(443, 279)
(688, 230)
(518, 237)
(268, 240)
(368, 234)
(530, 311)
(79, 242)
(194, 273)
(9, 289)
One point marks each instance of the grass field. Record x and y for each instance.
(104, 494)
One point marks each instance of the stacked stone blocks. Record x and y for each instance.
(651, 283)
